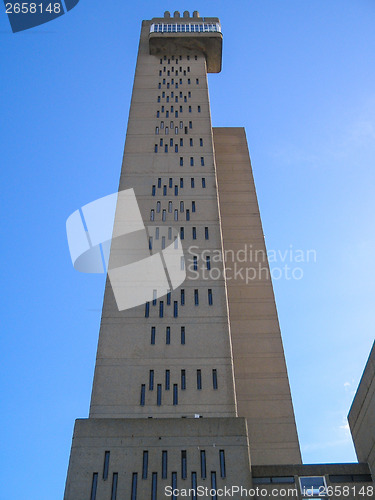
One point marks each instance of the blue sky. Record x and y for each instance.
(299, 76)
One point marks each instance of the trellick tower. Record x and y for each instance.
(190, 388)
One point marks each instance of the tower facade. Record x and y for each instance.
(190, 388)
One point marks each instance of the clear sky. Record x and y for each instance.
(299, 76)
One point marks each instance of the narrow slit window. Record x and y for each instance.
(214, 382)
(181, 124)
(190, 124)
(94, 486)
(203, 182)
(158, 98)
(164, 464)
(170, 182)
(206, 234)
(153, 192)
(159, 182)
(181, 182)
(188, 81)
(183, 464)
(194, 230)
(208, 262)
(191, 161)
(189, 109)
(213, 485)
(153, 335)
(202, 161)
(169, 233)
(181, 206)
(175, 394)
(201, 142)
(182, 233)
(169, 298)
(171, 143)
(166, 148)
(186, 130)
(145, 465)
(182, 335)
(167, 335)
(174, 485)
(199, 109)
(167, 380)
(154, 485)
(194, 486)
(195, 263)
(157, 233)
(199, 380)
(180, 109)
(196, 297)
(203, 464)
(182, 263)
(156, 148)
(164, 215)
(158, 206)
(197, 81)
(193, 206)
(175, 309)
(166, 130)
(210, 300)
(147, 309)
(176, 148)
(162, 123)
(134, 486)
(157, 130)
(158, 396)
(191, 142)
(114, 486)
(106, 465)
(154, 292)
(157, 114)
(143, 393)
(187, 214)
(181, 161)
(192, 183)
(182, 296)
(161, 309)
(183, 380)
(151, 381)
(176, 214)
(170, 207)
(222, 463)
(176, 190)
(181, 142)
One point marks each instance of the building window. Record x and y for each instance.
(176, 190)
(181, 161)
(201, 142)
(145, 465)
(154, 485)
(196, 297)
(197, 81)
(181, 182)
(206, 236)
(203, 464)
(182, 233)
(166, 148)
(222, 463)
(194, 486)
(195, 263)
(164, 464)
(167, 379)
(312, 486)
(202, 161)
(175, 394)
(134, 486)
(161, 309)
(153, 334)
(194, 233)
(183, 464)
(188, 81)
(143, 392)
(176, 148)
(176, 129)
(189, 109)
(106, 465)
(213, 485)
(208, 262)
(182, 297)
(157, 114)
(174, 485)
(147, 309)
(94, 486)
(182, 335)
(214, 382)
(193, 206)
(210, 297)
(168, 335)
(189, 94)
(152, 215)
(192, 183)
(114, 486)
(169, 233)
(199, 380)
(151, 381)
(171, 142)
(191, 142)
(159, 182)
(176, 214)
(154, 293)
(175, 309)
(183, 380)
(156, 148)
(158, 395)
(203, 182)
(158, 205)
(191, 161)
(164, 215)
(188, 214)
(186, 130)
(153, 192)
(199, 109)
(181, 206)
(157, 233)
(169, 298)
(190, 124)
(170, 207)
(157, 130)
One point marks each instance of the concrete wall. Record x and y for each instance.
(261, 379)
(362, 415)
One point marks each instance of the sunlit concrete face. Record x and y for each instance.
(201, 369)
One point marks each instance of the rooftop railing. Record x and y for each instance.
(185, 28)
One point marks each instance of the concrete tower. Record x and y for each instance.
(190, 388)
